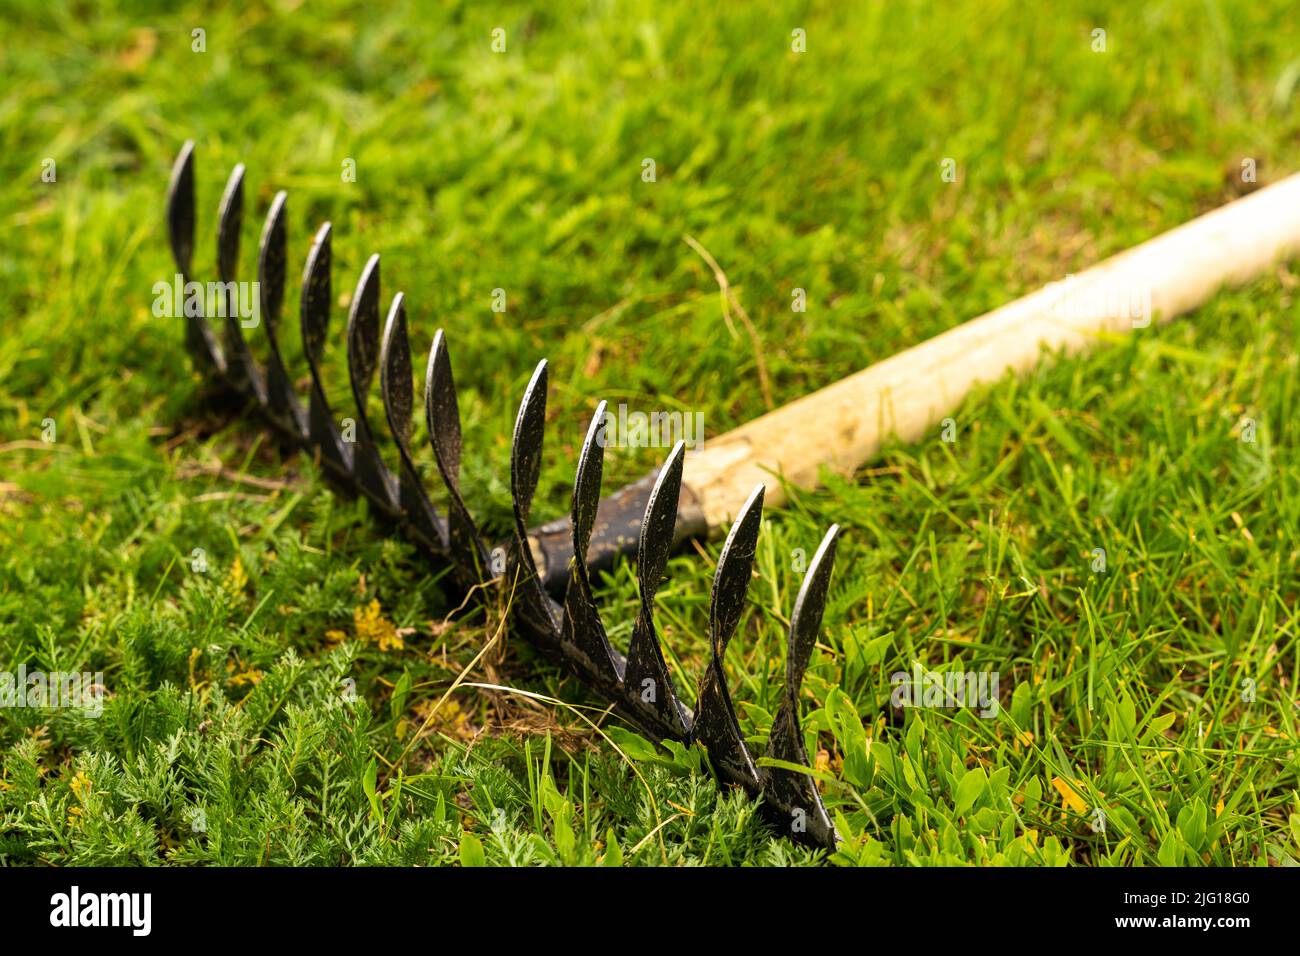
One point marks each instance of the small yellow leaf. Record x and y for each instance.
(1069, 796)
(822, 763)
(244, 675)
(80, 785)
(236, 579)
(373, 628)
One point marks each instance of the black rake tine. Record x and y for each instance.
(322, 429)
(399, 402)
(538, 608)
(646, 677)
(373, 477)
(230, 217)
(272, 269)
(583, 633)
(792, 794)
(180, 208)
(442, 416)
(715, 717)
(240, 366)
(199, 340)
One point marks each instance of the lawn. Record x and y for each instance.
(226, 593)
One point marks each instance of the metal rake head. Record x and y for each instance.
(549, 568)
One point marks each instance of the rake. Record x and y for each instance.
(550, 567)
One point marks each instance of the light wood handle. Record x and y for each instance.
(844, 425)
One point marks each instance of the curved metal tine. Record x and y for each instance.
(322, 429)
(442, 416)
(582, 634)
(373, 477)
(794, 795)
(536, 608)
(398, 392)
(647, 682)
(282, 402)
(715, 718)
(199, 340)
(242, 371)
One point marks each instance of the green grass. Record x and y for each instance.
(522, 171)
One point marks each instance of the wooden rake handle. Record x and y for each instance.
(845, 424)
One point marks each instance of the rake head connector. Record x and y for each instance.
(547, 569)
